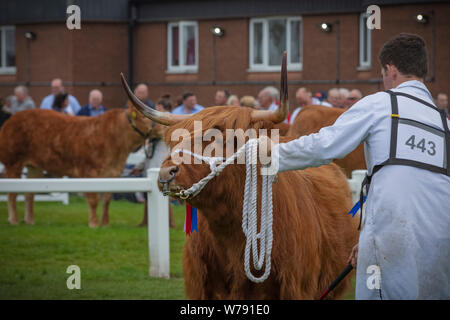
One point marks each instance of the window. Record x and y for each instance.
(270, 37)
(7, 49)
(182, 46)
(365, 43)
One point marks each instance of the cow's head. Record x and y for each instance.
(214, 123)
(142, 125)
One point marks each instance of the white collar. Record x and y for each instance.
(416, 84)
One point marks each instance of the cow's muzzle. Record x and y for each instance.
(166, 176)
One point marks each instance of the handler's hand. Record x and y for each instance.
(353, 256)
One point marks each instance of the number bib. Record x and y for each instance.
(415, 143)
(418, 142)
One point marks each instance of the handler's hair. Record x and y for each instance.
(407, 53)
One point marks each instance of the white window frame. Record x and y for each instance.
(3, 68)
(265, 67)
(364, 64)
(181, 68)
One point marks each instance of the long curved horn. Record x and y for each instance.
(164, 118)
(281, 113)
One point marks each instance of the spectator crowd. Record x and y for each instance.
(267, 99)
(155, 150)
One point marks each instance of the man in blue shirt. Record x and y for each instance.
(94, 107)
(141, 91)
(57, 88)
(189, 105)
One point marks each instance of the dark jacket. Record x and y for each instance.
(86, 110)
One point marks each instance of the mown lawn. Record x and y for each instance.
(113, 261)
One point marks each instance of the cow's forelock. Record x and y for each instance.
(214, 122)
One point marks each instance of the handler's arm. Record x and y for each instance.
(333, 142)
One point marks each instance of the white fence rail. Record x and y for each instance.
(50, 197)
(158, 208)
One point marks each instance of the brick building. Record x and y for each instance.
(169, 45)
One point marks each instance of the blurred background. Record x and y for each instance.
(204, 45)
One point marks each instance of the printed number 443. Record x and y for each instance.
(421, 145)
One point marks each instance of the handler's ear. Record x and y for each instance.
(392, 71)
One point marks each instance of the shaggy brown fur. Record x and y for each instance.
(313, 118)
(313, 235)
(283, 127)
(65, 145)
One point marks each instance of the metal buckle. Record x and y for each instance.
(182, 195)
(166, 183)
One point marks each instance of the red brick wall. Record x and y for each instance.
(96, 53)
(99, 52)
(319, 53)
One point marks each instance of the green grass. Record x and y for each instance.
(114, 260)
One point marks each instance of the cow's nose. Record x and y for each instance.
(167, 173)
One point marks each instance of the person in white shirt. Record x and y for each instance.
(353, 97)
(304, 98)
(268, 98)
(404, 245)
(343, 102)
(320, 98)
(20, 101)
(334, 97)
(221, 97)
(442, 102)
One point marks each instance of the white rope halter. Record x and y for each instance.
(249, 210)
(250, 216)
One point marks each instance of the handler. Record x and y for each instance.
(404, 244)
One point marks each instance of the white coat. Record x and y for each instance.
(404, 244)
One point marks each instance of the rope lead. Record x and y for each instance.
(249, 210)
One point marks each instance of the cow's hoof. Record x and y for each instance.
(13, 222)
(93, 224)
(30, 222)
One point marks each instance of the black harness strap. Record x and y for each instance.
(394, 124)
(447, 139)
(150, 153)
(392, 160)
(413, 98)
(143, 135)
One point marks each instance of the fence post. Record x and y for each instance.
(355, 183)
(158, 228)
